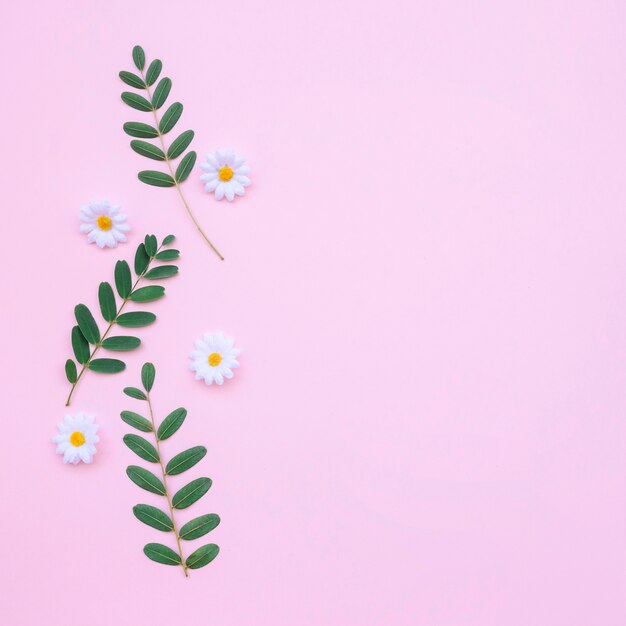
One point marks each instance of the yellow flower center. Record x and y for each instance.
(104, 222)
(225, 173)
(215, 358)
(77, 438)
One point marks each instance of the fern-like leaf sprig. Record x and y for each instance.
(162, 125)
(165, 521)
(86, 336)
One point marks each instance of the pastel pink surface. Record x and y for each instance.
(426, 282)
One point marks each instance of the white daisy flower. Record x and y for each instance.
(215, 358)
(77, 438)
(103, 224)
(226, 175)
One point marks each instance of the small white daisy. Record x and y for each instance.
(77, 438)
(215, 358)
(226, 175)
(103, 224)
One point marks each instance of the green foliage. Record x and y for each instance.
(153, 72)
(164, 271)
(156, 517)
(136, 421)
(185, 166)
(139, 57)
(107, 366)
(156, 179)
(122, 343)
(133, 392)
(137, 129)
(145, 479)
(87, 332)
(87, 323)
(171, 424)
(161, 554)
(191, 492)
(152, 516)
(202, 556)
(170, 117)
(179, 145)
(106, 298)
(183, 461)
(148, 373)
(199, 526)
(70, 371)
(150, 100)
(80, 346)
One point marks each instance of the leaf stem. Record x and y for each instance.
(171, 169)
(109, 327)
(167, 493)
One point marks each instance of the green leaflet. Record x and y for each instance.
(147, 294)
(156, 179)
(170, 117)
(150, 243)
(136, 421)
(87, 323)
(199, 526)
(161, 554)
(147, 149)
(167, 255)
(147, 376)
(142, 260)
(145, 479)
(132, 79)
(136, 102)
(154, 517)
(122, 343)
(202, 556)
(137, 319)
(190, 493)
(179, 145)
(88, 332)
(137, 129)
(163, 271)
(157, 517)
(70, 371)
(185, 460)
(139, 57)
(171, 423)
(80, 345)
(185, 166)
(153, 72)
(133, 392)
(106, 298)
(123, 279)
(152, 101)
(142, 448)
(161, 93)
(107, 366)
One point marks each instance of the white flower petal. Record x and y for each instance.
(220, 157)
(243, 180)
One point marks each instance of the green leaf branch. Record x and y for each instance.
(158, 519)
(86, 333)
(162, 125)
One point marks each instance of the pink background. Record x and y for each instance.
(426, 280)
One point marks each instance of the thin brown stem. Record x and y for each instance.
(167, 493)
(171, 169)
